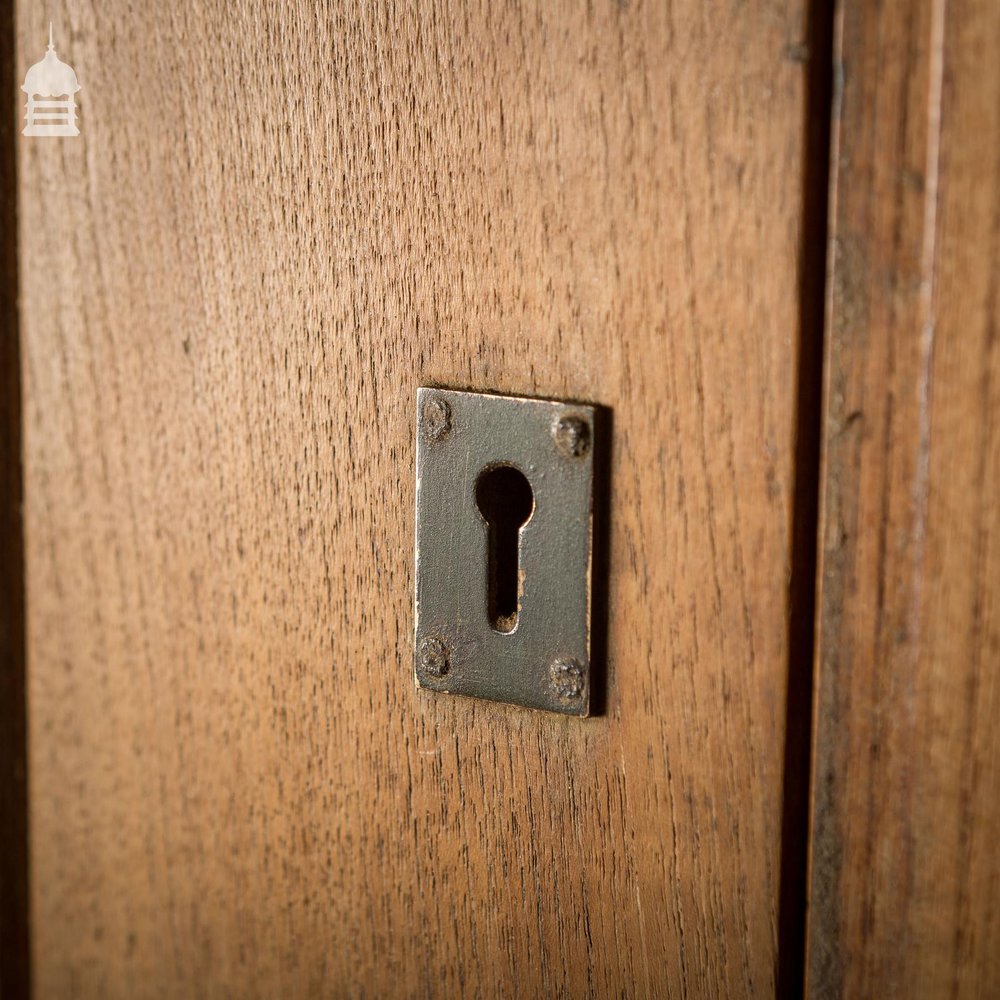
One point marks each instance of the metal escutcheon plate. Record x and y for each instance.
(542, 660)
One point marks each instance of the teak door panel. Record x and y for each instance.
(276, 224)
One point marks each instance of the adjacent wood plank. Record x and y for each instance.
(905, 871)
(277, 222)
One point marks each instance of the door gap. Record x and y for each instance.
(802, 588)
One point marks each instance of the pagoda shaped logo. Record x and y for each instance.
(50, 85)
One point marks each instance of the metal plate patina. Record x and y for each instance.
(543, 662)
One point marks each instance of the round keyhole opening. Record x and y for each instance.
(505, 500)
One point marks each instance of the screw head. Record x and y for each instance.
(572, 436)
(566, 679)
(435, 419)
(434, 657)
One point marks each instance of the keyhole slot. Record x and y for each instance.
(505, 500)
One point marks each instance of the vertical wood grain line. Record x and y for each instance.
(14, 961)
(817, 124)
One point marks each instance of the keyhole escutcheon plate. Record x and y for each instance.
(504, 548)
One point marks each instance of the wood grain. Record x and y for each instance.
(273, 227)
(905, 870)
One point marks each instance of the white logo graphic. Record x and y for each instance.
(50, 78)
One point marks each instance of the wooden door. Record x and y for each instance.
(277, 222)
(275, 225)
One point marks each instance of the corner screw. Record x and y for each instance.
(434, 656)
(435, 419)
(572, 436)
(566, 679)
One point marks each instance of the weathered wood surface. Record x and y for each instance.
(906, 871)
(276, 223)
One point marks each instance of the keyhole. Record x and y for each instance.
(505, 500)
